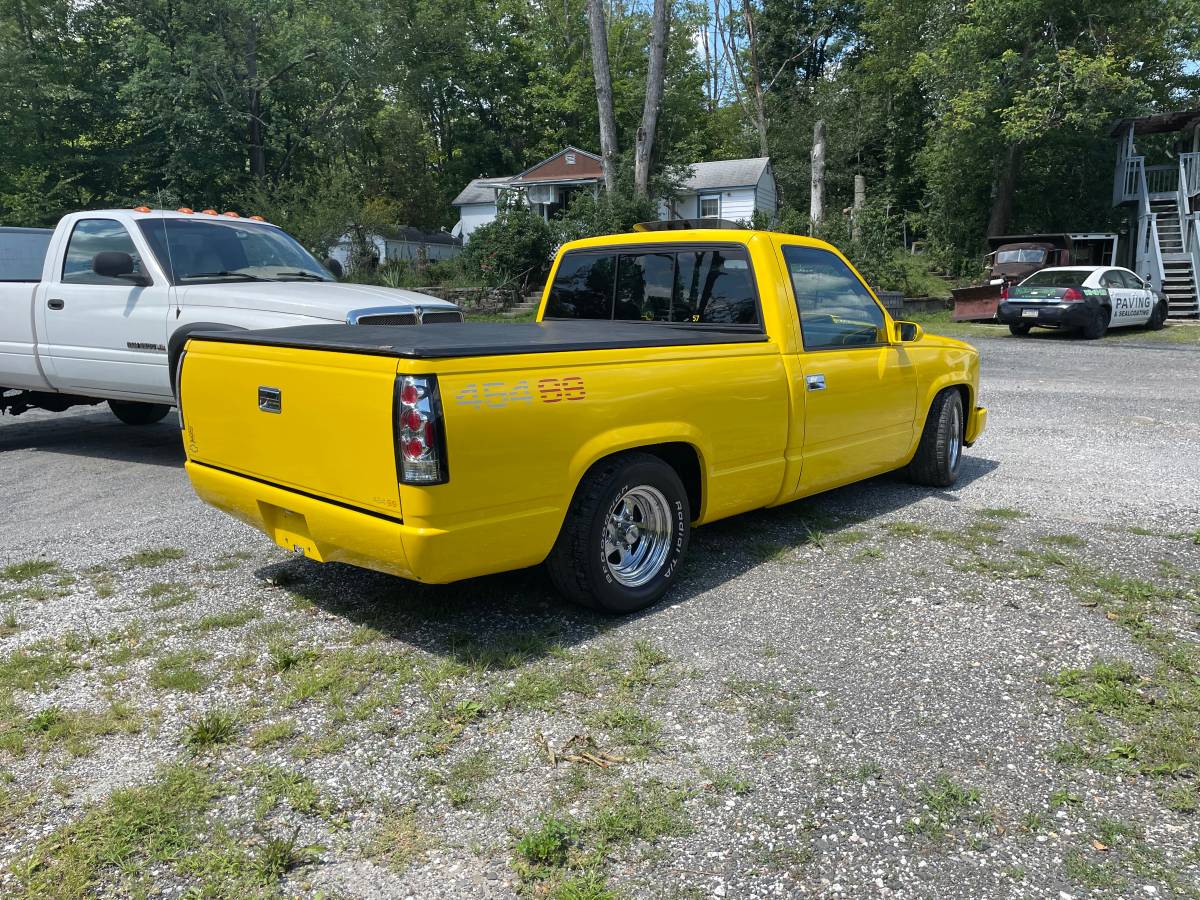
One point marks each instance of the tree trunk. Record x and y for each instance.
(860, 200)
(756, 81)
(598, 33)
(1006, 186)
(655, 74)
(816, 206)
(258, 155)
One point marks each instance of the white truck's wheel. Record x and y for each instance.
(624, 536)
(132, 413)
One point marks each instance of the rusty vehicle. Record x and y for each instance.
(1013, 258)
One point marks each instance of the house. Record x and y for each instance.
(731, 189)
(1159, 184)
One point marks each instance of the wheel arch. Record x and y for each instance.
(684, 454)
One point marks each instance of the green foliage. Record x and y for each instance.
(592, 216)
(518, 246)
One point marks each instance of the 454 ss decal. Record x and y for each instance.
(499, 394)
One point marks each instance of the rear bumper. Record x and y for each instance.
(976, 424)
(329, 532)
(1049, 315)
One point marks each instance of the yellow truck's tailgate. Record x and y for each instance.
(314, 421)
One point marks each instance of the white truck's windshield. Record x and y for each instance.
(198, 250)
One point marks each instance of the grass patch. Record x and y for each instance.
(1072, 541)
(278, 785)
(177, 672)
(233, 618)
(906, 529)
(1004, 513)
(165, 595)
(628, 726)
(272, 734)
(398, 841)
(72, 730)
(38, 667)
(150, 559)
(28, 570)
(462, 778)
(9, 624)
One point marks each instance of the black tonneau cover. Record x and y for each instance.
(449, 340)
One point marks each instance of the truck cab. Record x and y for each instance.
(119, 291)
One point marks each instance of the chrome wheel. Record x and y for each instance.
(637, 535)
(956, 435)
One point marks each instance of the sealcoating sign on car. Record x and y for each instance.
(1087, 299)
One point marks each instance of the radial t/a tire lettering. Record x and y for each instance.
(625, 534)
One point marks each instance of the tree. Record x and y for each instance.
(655, 74)
(598, 31)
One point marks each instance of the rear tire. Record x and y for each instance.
(939, 454)
(1096, 326)
(1018, 329)
(624, 536)
(138, 413)
(1158, 318)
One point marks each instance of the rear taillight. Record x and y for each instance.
(1004, 290)
(420, 435)
(1071, 295)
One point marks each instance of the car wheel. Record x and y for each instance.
(1019, 329)
(939, 454)
(1158, 318)
(625, 535)
(1096, 325)
(138, 413)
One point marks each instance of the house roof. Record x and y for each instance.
(726, 173)
(480, 190)
(584, 166)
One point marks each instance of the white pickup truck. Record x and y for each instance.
(100, 308)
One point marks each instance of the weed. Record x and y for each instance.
(1073, 541)
(867, 553)
(177, 672)
(28, 570)
(588, 885)
(1181, 798)
(639, 812)
(149, 559)
(727, 782)
(282, 657)
(9, 625)
(274, 733)
(1083, 871)
(233, 618)
(398, 841)
(629, 726)
(906, 529)
(167, 595)
(549, 843)
(944, 804)
(869, 771)
(277, 785)
(462, 778)
(530, 690)
(277, 856)
(1006, 513)
(213, 728)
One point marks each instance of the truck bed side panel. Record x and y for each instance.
(18, 347)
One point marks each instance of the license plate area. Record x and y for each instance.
(289, 530)
(1029, 314)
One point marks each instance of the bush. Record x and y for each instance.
(518, 245)
(593, 216)
(873, 254)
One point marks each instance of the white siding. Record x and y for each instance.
(737, 204)
(473, 215)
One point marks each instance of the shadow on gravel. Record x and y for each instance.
(520, 612)
(97, 435)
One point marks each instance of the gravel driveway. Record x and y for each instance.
(991, 691)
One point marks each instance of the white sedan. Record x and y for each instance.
(1091, 299)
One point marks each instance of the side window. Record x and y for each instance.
(1129, 279)
(92, 236)
(835, 309)
(714, 287)
(645, 282)
(1112, 279)
(583, 287)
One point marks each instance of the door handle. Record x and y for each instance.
(815, 382)
(55, 304)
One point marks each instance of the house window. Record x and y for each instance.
(570, 159)
(710, 206)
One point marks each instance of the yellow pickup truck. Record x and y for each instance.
(672, 378)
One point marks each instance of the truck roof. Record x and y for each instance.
(145, 212)
(694, 236)
(448, 341)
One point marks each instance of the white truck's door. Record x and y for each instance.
(104, 335)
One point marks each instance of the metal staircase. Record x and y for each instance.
(1167, 202)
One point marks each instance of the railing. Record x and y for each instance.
(1189, 172)
(1148, 255)
(1130, 178)
(1162, 179)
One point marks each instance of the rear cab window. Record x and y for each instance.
(699, 285)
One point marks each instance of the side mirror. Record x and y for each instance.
(334, 267)
(907, 332)
(115, 264)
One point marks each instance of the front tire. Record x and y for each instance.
(939, 454)
(624, 536)
(1158, 318)
(1018, 329)
(138, 413)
